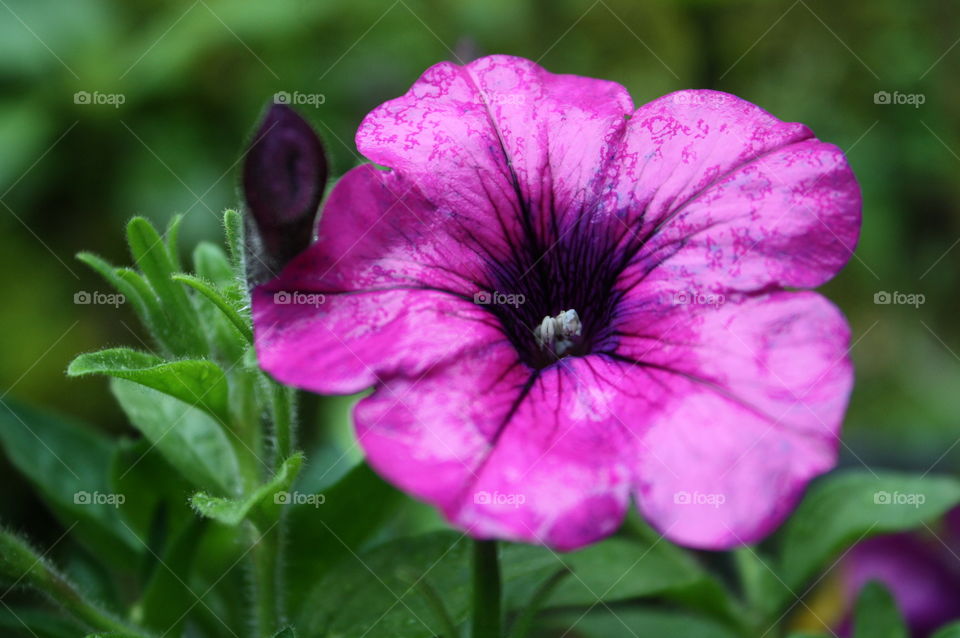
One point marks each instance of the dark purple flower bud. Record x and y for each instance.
(284, 176)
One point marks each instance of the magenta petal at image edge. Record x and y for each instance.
(562, 302)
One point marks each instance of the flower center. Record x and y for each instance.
(558, 334)
(557, 296)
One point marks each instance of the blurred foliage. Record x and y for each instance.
(194, 77)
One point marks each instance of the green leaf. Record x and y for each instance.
(233, 228)
(616, 569)
(143, 301)
(950, 631)
(153, 258)
(354, 509)
(134, 279)
(37, 622)
(758, 579)
(69, 465)
(161, 508)
(173, 234)
(234, 511)
(220, 301)
(525, 620)
(603, 623)
(190, 440)
(365, 586)
(286, 632)
(196, 382)
(21, 564)
(362, 592)
(212, 264)
(876, 614)
(168, 598)
(844, 508)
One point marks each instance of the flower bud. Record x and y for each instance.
(284, 176)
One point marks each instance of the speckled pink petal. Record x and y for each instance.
(385, 290)
(350, 342)
(756, 392)
(377, 232)
(499, 134)
(729, 197)
(550, 463)
(428, 434)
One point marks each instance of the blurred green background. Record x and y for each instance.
(193, 78)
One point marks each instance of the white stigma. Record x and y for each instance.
(558, 333)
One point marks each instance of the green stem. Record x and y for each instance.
(283, 421)
(22, 565)
(265, 568)
(486, 590)
(246, 413)
(283, 411)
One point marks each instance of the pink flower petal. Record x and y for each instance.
(729, 197)
(350, 342)
(546, 462)
(500, 134)
(755, 395)
(385, 290)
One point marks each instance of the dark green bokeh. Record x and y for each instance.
(194, 77)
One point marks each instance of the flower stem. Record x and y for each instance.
(22, 565)
(283, 421)
(486, 590)
(265, 569)
(270, 563)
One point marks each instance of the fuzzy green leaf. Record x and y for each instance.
(143, 301)
(173, 235)
(69, 465)
(196, 382)
(220, 301)
(212, 264)
(151, 255)
(190, 440)
(234, 511)
(168, 598)
(233, 228)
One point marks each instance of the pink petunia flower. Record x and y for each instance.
(561, 302)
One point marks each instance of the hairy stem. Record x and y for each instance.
(266, 571)
(284, 418)
(270, 561)
(21, 565)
